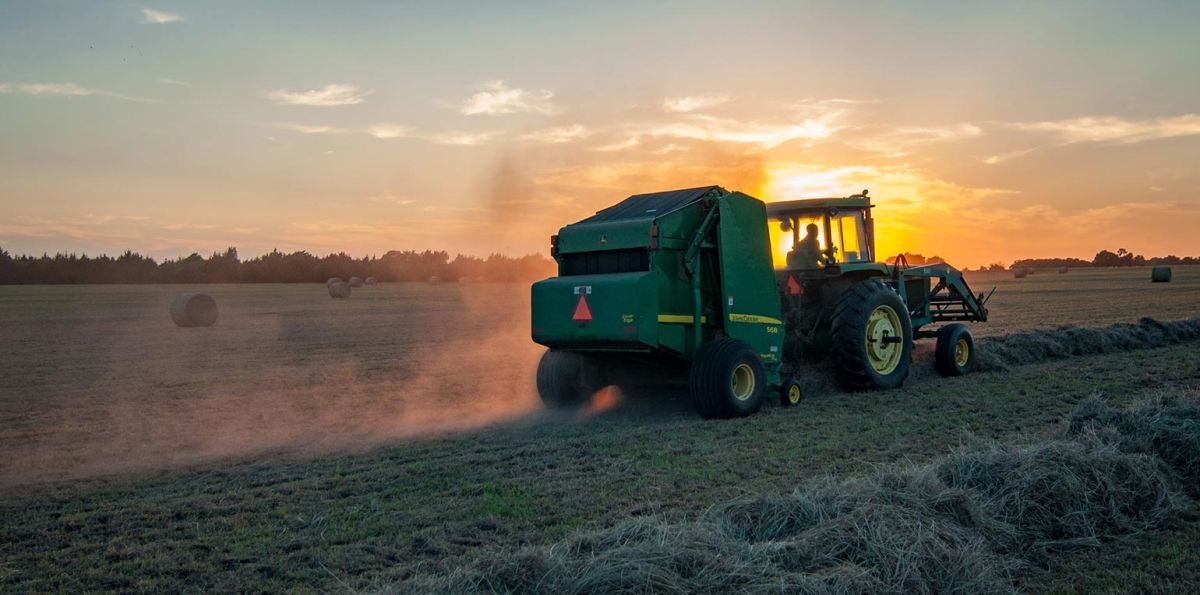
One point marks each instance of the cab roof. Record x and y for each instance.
(857, 201)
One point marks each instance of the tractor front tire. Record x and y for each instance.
(955, 351)
(566, 380)
(872, 337)
(727, 379)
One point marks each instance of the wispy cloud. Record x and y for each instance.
(1115, 130)
(898, 141)
(693, 103)
(158, 17)
(466, 139)
(766, 135)
(386, 131)
(65, 89)
(558, 134)
(628, 143)
(175, 82)
(1102, 130)
(327, 96)
(310, 128)
(388, 197)
(498, 98)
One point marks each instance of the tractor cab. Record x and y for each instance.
(813, 234)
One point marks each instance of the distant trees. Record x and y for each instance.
(273, 267)
(1105, 258)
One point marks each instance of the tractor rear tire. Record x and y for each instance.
(955, 351)
(872, 337)
(727, 380)
(566, 380)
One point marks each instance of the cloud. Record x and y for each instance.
(693, 103)
(387, 131)
(897, 142)
(558, 134)
(388, 197)
(157, 17)
(311, 128)
(460, 138)
(1110, 129)
(711, 128)
(498, 98)
(628, 143)
(175, 82)
(65, 89)
(328, 96)
(1102, 130)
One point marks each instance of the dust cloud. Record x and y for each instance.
(286, 371)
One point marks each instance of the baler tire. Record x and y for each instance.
(790, 394)
(564, 379)
(954, 354)
(716, 371)
(848, 332)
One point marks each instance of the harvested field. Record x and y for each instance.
(308, 443)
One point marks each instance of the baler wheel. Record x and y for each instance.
(727, 379)
(955, 351)
(566, 380)
(872, 337)
(790, 393)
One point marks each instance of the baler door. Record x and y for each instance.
(603, 312)
(750, 299)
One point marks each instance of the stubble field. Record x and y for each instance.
(309, 443)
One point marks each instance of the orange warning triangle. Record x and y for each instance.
(582, 312)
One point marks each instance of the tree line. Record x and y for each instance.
(273, 267)
(1105, 258)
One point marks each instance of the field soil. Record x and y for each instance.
(305, 443)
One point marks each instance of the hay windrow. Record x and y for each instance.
(961, 523)
(1001, 353)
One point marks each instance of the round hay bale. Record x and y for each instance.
(371, 281)
(341, 289)
(1160, 274)
(356, 282)
(1020, 273)
(435, 280)
(332, 280)
(194, 309)
(1062, 270)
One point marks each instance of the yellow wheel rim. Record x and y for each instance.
(962, 352)
(882, 353)
(742, 382)
(793, 394)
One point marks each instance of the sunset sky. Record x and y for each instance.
(985, 131)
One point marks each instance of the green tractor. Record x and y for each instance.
(738, 294)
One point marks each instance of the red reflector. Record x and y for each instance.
(793, 285)
(582, 312)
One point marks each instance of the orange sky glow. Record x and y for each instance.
(984, 133)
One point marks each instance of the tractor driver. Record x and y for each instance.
(806, 254)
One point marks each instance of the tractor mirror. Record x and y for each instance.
(786, 225)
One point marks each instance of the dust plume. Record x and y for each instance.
(320, 376)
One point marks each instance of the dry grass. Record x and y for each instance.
(961, 523)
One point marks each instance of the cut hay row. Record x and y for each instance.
(1000, 353)
(961, 523)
